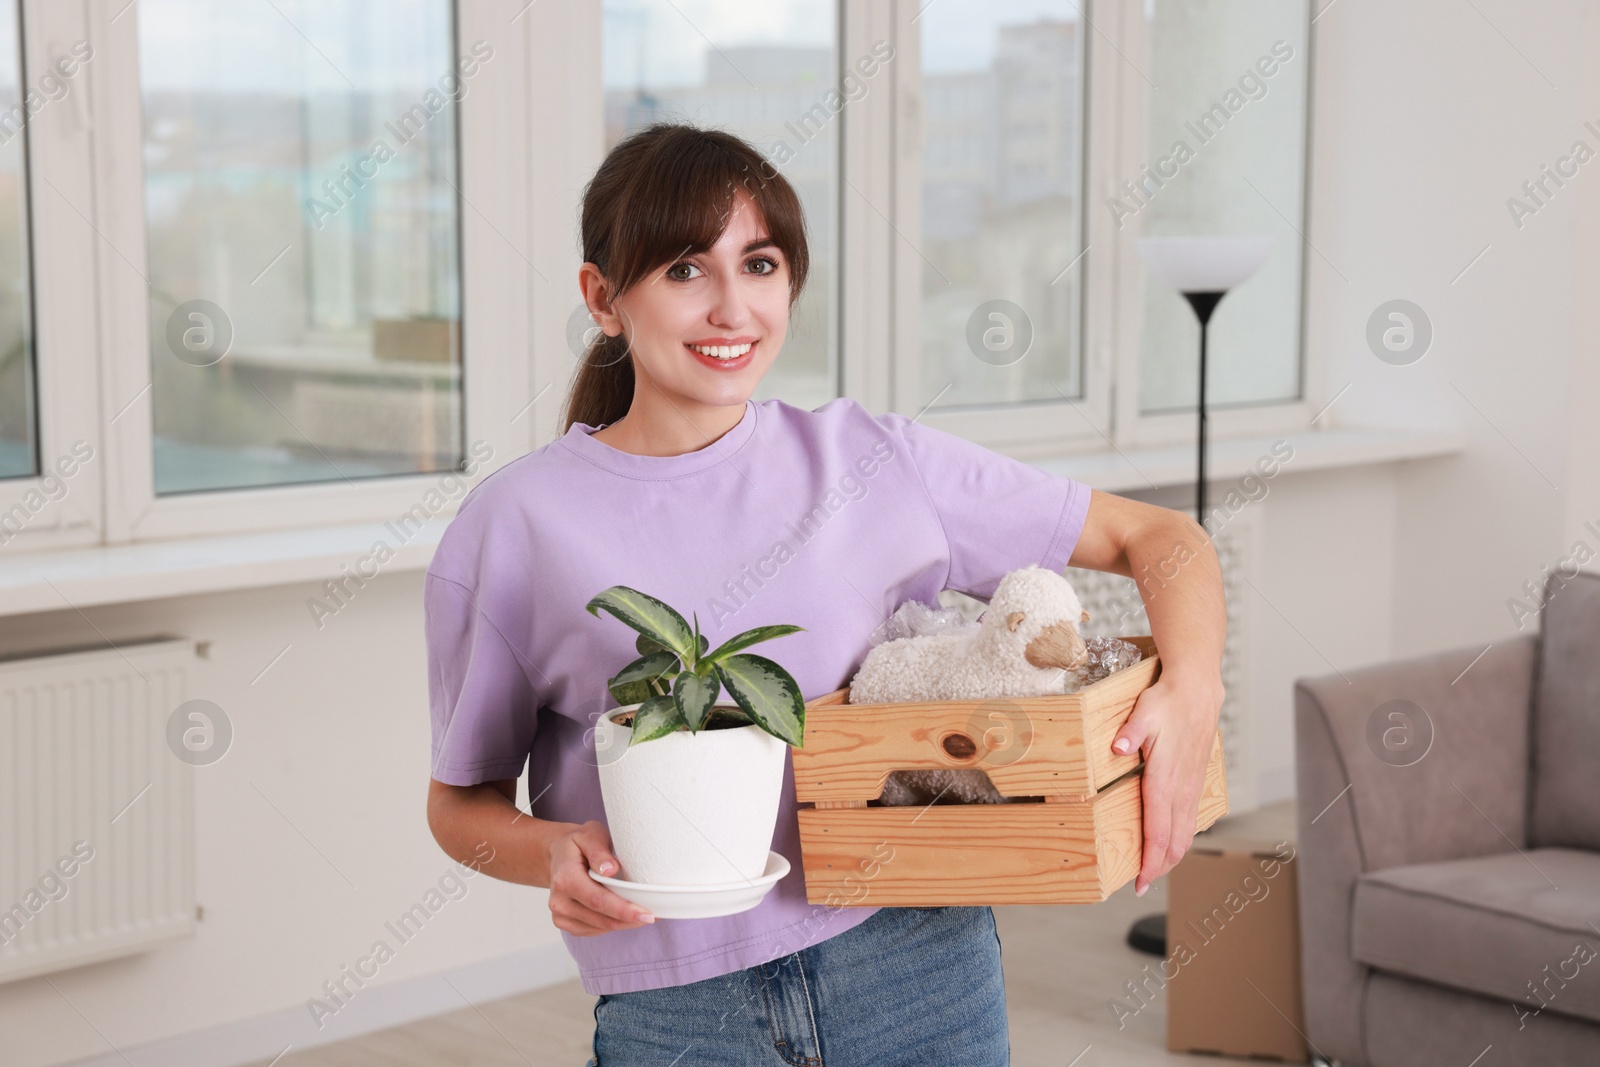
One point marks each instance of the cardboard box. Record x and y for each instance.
(1233, 953)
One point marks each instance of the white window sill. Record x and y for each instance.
(85, 577)
(1133, 469)
(115, 574)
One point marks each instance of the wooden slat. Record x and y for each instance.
(1071, 852)
(1056, 745)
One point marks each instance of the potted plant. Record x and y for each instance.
(691, 786)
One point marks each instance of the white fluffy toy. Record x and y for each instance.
(1023, 646)
(1026, 644)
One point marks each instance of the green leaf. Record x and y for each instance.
(648, 615)
(694, 696)
(658, 717)
(751, 637)
(768, 693)
(647, 646)
(729, 714)
(631, 685)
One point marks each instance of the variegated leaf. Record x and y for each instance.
(767, 693)
(651, 617)
(751, 637)
(657, 717)
(694, 696)
(631, 685)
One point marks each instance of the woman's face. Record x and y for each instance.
(731, 299)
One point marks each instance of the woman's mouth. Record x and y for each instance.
(724, 357)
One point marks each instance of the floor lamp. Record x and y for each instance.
(1202, 269)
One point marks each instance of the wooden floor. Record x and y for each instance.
(1063, 964)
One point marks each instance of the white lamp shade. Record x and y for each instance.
(1204, 264)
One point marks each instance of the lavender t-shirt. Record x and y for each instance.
(827, 519)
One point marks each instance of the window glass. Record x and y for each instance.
(1002, 207)
(300, 186)
(1226, 140)
(18, 451)
(762, 71)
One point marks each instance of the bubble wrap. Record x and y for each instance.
(1106, 655)
(914, 619)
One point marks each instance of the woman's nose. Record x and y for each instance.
(730, 309)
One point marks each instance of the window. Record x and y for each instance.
(1228, 124)
(300, 177)
(272, 266)
(18, 396)
(1002, 202)
(759, 71)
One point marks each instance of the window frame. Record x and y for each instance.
(519, 258)
(1138, 429)
(57, 187)
(1027, 429)
(492, 154)
(1108, 414)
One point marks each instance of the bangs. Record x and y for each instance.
(681, 197)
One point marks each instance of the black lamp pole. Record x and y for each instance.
(1149, 934)
(1203, 303)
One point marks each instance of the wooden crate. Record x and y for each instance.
(1076, 839)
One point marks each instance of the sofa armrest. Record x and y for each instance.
(1461, 793)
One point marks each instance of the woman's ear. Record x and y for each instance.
(598, 298)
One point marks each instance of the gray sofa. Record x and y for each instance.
(1450, 896)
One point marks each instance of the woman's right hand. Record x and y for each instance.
(579, 904)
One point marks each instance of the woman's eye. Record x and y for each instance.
(771, 263)
(680, 277)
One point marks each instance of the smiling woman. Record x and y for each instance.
(668, 476)
(692, 291)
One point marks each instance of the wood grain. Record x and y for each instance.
(1058, 745)
(1068, 852)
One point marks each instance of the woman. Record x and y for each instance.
(669, 478)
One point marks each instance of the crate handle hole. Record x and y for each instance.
(959, 746)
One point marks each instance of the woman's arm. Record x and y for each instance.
(540, 852)
(464, 817)
(1174, 721)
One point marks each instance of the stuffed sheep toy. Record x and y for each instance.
(1025, 644)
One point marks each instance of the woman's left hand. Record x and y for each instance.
(1174, 723)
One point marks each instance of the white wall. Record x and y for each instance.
(335, 735)
(1427, 121)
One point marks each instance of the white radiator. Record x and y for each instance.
(96, 812)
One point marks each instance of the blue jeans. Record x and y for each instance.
(909, 986)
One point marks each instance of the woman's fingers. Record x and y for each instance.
(1157, 799)
(606, 904)
(1140, 729)
(1174, 729)
(578, 903)
(594, 842)
(585, 919)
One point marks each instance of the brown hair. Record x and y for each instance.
(662, 193)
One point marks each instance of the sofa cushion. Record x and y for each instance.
(1518, 925)
(1565, 807)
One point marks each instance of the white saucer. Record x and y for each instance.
(699, 901)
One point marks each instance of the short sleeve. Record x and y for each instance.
(483, 708)
(998, 513)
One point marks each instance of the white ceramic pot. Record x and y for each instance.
(690, 809)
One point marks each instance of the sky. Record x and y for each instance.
(314, 45)
(957, 35)
(293, 45)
